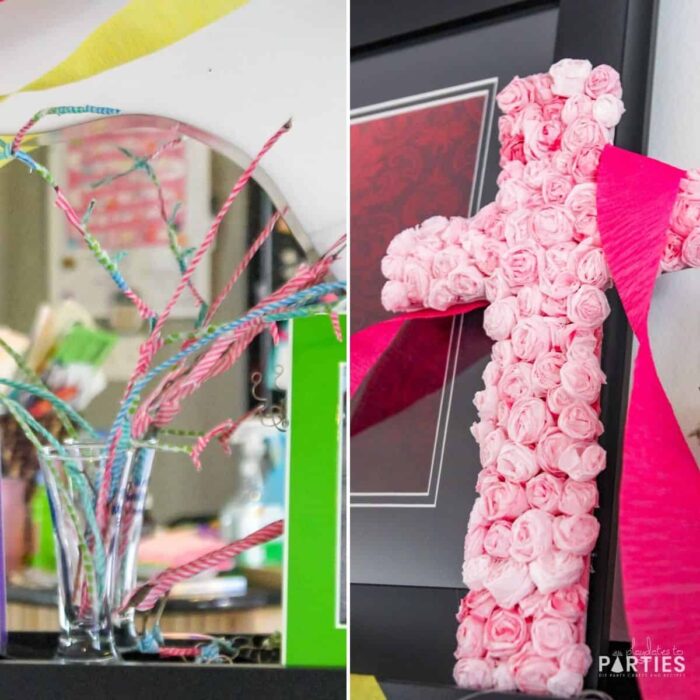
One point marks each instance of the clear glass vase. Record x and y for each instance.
(85, 546)
(126, 560)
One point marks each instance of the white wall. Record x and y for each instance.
(240, 79)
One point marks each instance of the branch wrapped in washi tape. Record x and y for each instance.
(202, 370)
(120, 436)
(154, 342)
(306, 276)
(223, 432)
(178, 652)
(14, 151)
(310, 294)
(182, 432)
(160, 446)
(225, 352)
(147, 595)
(243, 264)
(140, 163)
(144, 163)
(335, 322)
(58, 111)
(142, 421)
(102, 256)
(210, 236)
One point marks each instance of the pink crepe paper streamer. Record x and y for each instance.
(367, 346)
(660, 490)
(146, 596)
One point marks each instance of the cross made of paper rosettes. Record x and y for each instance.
(535, 255)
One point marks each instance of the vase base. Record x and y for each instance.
(87, 649)
(125, 637)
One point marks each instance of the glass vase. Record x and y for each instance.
(129, 538)
(85, 545)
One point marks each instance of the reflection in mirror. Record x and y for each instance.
(156, 185)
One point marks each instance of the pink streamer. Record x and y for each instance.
(368, 345)
(660, 490)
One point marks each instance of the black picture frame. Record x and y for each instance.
(620, 33)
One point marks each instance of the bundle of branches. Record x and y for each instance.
(203, 354)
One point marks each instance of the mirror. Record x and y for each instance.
(148, 174)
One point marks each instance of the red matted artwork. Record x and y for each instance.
(409, 159)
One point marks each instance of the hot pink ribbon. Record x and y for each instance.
(659, 522)
(368, 345)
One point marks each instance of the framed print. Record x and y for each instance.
(429, 153)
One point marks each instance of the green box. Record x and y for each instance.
(315, 631)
